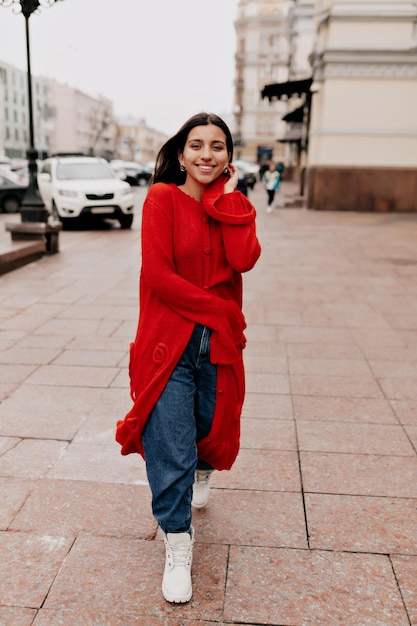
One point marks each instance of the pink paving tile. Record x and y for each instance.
(268, 434)
(267, 333)
(412, 434)
(29, 356)
(43, 454)
(132, 583)
(7, 443)
(405, 568)
(21, 583)
(332, 367)
(59, 412)
(326, 408)
(324, 351)
(406, 411)
(6, 389)
(389, 368)
(265, 348)
(44, 341)
(394, 353)
(261, 470)
(303, 334)
(73, 376)
(267, 383)
(267, 405)
(100, 462)
(362, 524)
(408, 322)
(67, 508)
(356, 438)
(101, 358)
(256, 518)
(365, 337)
(89, 328)
(269, 364)
(336, 386)
(15, 373)
(357, 474)
(14, 616)
(14, 493)
(399, 388)
(51, 617)
(311, 588)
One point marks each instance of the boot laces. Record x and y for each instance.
(180, 555)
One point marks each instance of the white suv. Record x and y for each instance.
(74, 187)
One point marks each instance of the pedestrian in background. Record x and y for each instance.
(271, 180)
(186, 367)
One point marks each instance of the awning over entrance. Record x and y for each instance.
(296, 116)
(290, 88)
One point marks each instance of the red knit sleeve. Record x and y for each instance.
(237, 216)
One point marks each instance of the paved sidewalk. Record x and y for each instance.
(316, 524)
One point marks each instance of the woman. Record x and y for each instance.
(186, 367)
(271, 180)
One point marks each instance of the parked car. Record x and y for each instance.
(75, 187)
(132, 172)
(248, 179)
(12, 191)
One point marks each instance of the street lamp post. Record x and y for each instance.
(33, 208)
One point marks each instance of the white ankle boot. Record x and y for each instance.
(176, 583)
(201, 488)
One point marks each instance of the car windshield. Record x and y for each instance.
(84, 171)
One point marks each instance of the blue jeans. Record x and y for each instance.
(182, 416)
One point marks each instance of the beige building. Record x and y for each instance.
(363, 132)
(356, 112)
(262, 57)
(78, 122)
(274, 41)
(14, 112)
(135, 141)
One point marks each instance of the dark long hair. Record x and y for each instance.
(167, 167)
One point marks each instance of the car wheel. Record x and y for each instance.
(126, 221)
(11, 204)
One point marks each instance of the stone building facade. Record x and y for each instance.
(363, 132)
(14, 112)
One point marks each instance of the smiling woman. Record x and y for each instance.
(186, 366)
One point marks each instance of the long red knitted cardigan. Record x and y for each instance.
(193, 255)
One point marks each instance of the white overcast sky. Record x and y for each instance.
(161, 60)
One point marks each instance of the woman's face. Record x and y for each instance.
(205, 154)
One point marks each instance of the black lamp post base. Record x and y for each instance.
(34, 214)
(33, 208)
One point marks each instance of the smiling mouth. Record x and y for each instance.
(206, 168)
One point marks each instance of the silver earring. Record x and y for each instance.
(225, 171)
(182, 168)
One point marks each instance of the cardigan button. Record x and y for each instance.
(207, 251)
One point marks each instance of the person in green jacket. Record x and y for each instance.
(271, 180)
